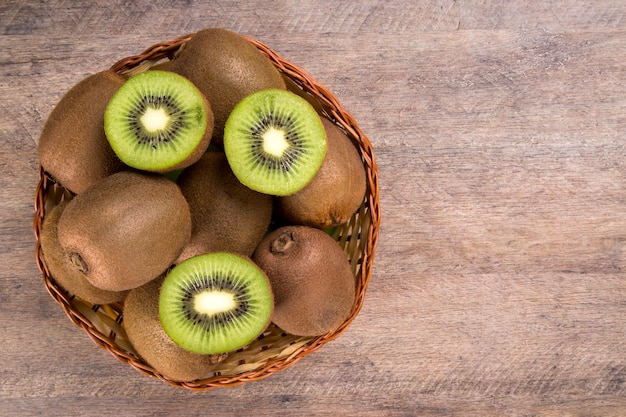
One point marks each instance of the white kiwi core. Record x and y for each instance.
(274, 142)
(214, 302)
(154, 119)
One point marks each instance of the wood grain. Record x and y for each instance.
(498, 285)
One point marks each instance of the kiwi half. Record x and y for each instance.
(226, 216)
(61, 268)
(72, 147)
(313, 284)
(158, 121)
(337, 190)
(215, 303)
(145, 333)
(274, 142)
(126, 229)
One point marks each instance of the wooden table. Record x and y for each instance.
(499, 283)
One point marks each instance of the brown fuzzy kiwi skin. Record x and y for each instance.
(62, 270)
(337, 190)
(126, 229)
(226, 216)
(226, 68)
(313, 284)
(72, 147)
(146, 334)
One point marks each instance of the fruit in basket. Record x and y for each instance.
(72, 146)
(337, 190)
(158, 121)
(145, 333)
(311, 277)
(62, 270)
(226, 67)
(215, 303)
(274, 141)
(226, 216)
(126, 229)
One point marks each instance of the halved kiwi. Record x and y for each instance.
(274, 141)
(215, 303)
(158, 121)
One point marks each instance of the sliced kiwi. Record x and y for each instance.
(310, 275)
(215, 303)
(274, 142)
(158, 121)
(336, 191)
(58, 262)
(72, 147)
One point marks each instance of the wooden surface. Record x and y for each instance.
(499, 283)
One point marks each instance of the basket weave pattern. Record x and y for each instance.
(274, 350)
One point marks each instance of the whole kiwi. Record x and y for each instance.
(226, 216)
(72, 146)
(126, 229)
(313, 284)
(146, 334)
(62, 270)
(336, 191)
(226, 67)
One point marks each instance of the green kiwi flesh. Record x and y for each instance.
(72, 147)
(226, 216)
(146, 335)
(274, 141)
(215, 303)
(226, 67)
(61, 268)
(126, 229)
(337, 190)
(158, 121)
(313, 284)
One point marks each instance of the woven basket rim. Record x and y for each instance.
(370, 210)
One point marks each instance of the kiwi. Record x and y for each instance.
(158, 121)
(274, 142)
(72, 147)
(226, 67)
(312, 281)
(226, 216)
(215, 303)
(336, 191)
(126, 229)
(62, 270)
(145, 333)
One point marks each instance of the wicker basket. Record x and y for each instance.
(274, 350)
